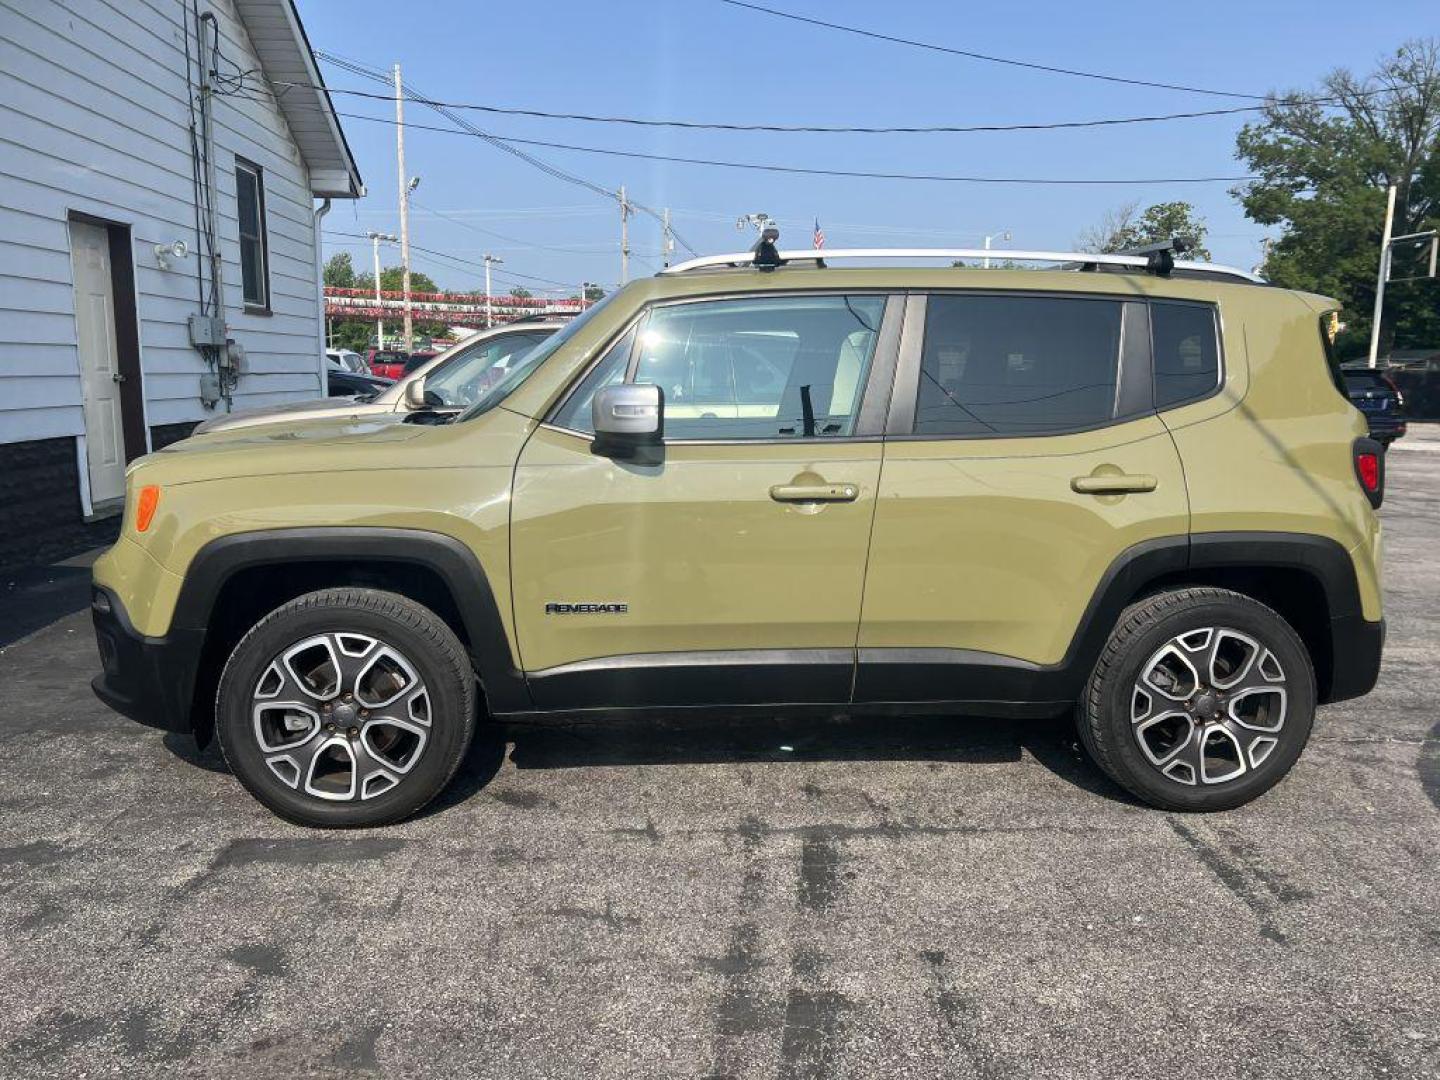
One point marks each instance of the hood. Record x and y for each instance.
(307, 445)
(270, 413)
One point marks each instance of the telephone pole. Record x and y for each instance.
(404, 205)
(375, 238)
(489, 312)
(667, 244)
(624, 237)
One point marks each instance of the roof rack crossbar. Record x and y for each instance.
(1068, 259)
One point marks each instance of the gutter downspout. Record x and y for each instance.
(320, 212)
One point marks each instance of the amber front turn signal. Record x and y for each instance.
(145, 507)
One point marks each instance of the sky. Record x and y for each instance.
(705, 60)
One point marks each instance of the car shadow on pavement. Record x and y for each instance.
(665, 741)
(1051, 743)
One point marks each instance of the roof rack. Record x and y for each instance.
(1156, 259)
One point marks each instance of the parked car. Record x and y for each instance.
(447, 383)
(417, 360)
(353, 386)
(1375, 394)
(347, 360)
(1132, 496)
(387, 363)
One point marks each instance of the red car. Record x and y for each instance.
(386, 363)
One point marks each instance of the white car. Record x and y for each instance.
(449, 382)
(347, 360)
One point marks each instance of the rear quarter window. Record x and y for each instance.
(1186, 348)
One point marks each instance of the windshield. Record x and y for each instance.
(458, 381)
(520, 367)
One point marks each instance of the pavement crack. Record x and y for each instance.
(1232, 877)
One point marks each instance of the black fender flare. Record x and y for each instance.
(1322, 559)
(452, 561)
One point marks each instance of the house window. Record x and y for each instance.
(250, 210)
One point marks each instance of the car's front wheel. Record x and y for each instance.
(346, 707)
(1201, 700)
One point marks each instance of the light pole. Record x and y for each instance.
(990, 236)
(489, 311)
(375, 238)
(1384, 273)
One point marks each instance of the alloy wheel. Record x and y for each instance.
(1209, 705)
(341, 716)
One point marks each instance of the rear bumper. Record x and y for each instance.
(1356, 647)
(150, 680)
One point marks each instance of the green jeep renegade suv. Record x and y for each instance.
(1121, 487)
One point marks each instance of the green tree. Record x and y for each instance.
(392, 279)
(339, 271)
(521, 293)
(1127, 226)
(593, 293)
(1322, 174)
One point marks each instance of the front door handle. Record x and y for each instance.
(1112, 483)
(811, 493)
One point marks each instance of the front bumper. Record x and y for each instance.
(150, 680)
(1356, 647)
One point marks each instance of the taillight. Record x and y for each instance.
(1370, 470)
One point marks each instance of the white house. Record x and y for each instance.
(132, 132)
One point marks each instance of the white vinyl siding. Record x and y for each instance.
(95, 120)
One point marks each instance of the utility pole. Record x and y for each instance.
(1384, 273)
(405, 186)
(624, 237)
(667, 243)
(375, 238)
(489, 311)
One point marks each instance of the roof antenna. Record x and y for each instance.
(767, 255)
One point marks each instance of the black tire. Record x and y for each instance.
(1104, 715)
(422, 640)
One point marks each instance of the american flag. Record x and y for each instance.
(819, 239)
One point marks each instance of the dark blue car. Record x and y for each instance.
(1375, 394)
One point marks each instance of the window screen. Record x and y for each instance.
(1017, 365)
(1186, 351)
(250, 210)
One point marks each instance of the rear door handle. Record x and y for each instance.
(809, 493)
(1115, 484)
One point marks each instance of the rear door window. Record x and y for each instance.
(1017, 365)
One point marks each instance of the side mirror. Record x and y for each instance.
(415, 394)
(627, 418)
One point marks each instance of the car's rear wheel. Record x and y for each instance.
(1201, 700)
(346, 707)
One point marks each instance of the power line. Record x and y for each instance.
(804, 171)
(498, 235)
(932, 47)
(500, 144)
(824, 129)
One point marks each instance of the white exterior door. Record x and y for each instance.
(100, 374)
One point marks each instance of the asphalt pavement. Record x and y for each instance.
(883, 898)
